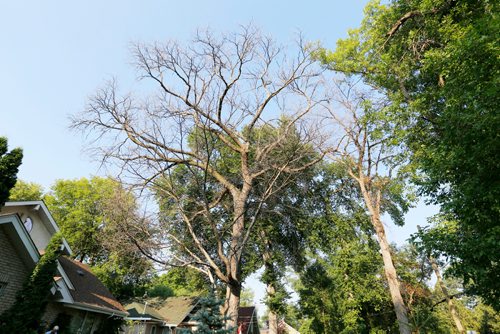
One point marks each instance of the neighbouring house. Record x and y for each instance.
(76, 296)
(168, 315)
(248, 321)
(161, 315)
(283, 328)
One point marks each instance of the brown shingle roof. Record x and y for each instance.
(89, 289)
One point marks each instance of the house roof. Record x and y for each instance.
(138, 310)
(245, 317)
(89, 292)
(172, 310)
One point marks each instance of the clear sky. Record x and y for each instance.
(54, 55)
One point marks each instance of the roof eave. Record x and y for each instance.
(97, 309)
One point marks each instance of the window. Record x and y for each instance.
(28, 223)
(153, 330)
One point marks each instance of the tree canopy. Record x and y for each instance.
(437, 61)
(92, 214)
(9, 166)
(198, 140)
(26, 191)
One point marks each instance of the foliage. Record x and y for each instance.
(341, 289)
(368, 152)
(472, 310)
(437, 61)
(125, 275)
(27, 311)
(78, 207)
(110, 325)
(247, 297)
(9, 166)
(92, 214)
(208, 318)
(179, 281)
(344, 291)
(415, 271)
(26, 191)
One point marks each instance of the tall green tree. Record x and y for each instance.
(373, 160)
(92, 214)
(79, 206)
(9, 166)
(437, 61)
(342, 289)
(281, 226)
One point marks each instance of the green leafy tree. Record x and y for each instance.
(78, 207)
(371, 157)
(179, 281)
(437, 62)
(94, 215)
(9, 166)
(475, 315)
(342, 289)
(25, 314)
(26, 191)
(282, 219)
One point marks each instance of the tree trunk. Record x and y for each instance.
(272, 316)
(273, 322)
(451, 306)
(270, 287)
(373, 205)
(233, 304)
(392, 277)
(234, 270)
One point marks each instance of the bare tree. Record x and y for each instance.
(212, 129)
(371, 151)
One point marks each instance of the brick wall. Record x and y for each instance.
(13, 271)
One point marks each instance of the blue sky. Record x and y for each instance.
(55, 54)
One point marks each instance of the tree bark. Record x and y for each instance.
(272, 316)
(234, 270)
(392, 278)
(233, 304)
(373, 205)
(451, 306)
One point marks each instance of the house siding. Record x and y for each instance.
(13, 272)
